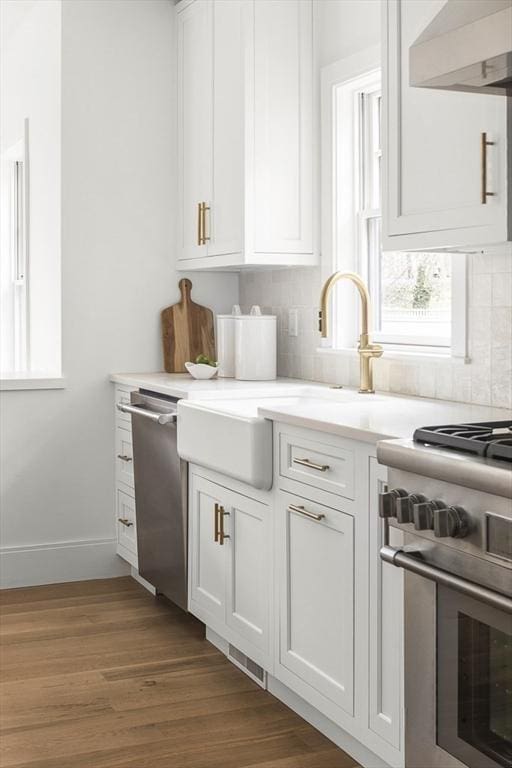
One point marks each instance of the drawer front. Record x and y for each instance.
(126, 521)
(321, 465)
(122, 395)
(124, 456)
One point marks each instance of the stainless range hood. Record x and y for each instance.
(466, 47)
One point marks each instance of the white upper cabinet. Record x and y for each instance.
(246, 183)
(433, 185)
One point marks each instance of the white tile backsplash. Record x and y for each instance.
(501, 289)
(486, 379)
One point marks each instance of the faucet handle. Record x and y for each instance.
(376, 349)
(370, 350)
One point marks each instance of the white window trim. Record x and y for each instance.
(15, 240)
(332, 76)
(30, 380)
(340, 73)
(22, 377)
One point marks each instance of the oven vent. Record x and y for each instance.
(247, 665)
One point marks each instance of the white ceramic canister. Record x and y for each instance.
(255, 347)
(226, 345)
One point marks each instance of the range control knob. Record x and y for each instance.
(388, 501)
(423, 514)
(451, 521)
(405, 507)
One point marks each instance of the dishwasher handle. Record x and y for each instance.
(158, 418)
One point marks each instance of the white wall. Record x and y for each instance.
(344, 27)
(30, 88)
(118, 202)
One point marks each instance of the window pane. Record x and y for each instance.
(415, 296)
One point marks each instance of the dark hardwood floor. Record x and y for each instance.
(99, 674)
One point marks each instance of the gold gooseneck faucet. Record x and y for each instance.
(366, 350)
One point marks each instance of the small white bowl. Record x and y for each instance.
(201, 371)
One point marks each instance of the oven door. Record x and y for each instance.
(474, 680)
(458, 665)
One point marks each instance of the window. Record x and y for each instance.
(14, 263)
(412, 293)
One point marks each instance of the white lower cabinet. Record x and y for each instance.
(339, 608)
(385, 627)
(231, 565)
(315, 549)
(126, 521)
(293, 579)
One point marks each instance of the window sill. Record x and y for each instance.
(409, 356)
(30, 380)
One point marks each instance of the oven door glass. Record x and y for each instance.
(474, 681)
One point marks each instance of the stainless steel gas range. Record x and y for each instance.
(453, 504)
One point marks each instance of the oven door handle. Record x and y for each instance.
(411, 562)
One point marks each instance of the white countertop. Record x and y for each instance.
(379, 416)
(316, 406)
(183, 385)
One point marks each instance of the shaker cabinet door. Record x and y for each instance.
(207, 555)
(195, 128)
(432, 149)
(249, 572)
(283, 127)
(224, 220)
(316, 555)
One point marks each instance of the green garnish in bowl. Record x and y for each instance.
(205, 360)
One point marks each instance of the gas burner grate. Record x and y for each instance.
(489, 438)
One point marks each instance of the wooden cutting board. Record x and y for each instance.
(187, 331)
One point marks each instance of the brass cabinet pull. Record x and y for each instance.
(216, 524)
(200, 224)
(124, 457)
(205, 236)
(125, 521)
(483, 167)
(202, 237)
(222, 535)
(302, 511)
(312, 464)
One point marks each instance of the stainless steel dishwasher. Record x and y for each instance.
(160, 494)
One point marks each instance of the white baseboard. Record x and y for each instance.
(136, 575)
(215, 639)
(60, 561)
